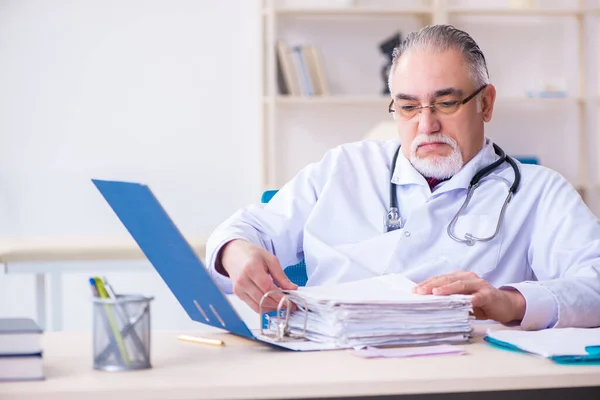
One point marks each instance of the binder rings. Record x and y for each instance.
(178, 265)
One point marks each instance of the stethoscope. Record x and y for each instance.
(394, 221)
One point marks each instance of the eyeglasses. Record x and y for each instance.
(446, 107)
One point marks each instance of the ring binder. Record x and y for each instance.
(282, 332)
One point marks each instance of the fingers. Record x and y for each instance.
(263, 284)
(459, 287)
(248, 300)
(488, 302)
(256, 293)
(257, 276)
(277, 273)
(480, 314)
(481, 298)
(427, 286)
(250, 292)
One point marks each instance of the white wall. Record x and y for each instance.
(163, 92)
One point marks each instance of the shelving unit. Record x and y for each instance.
(515, 12)
(298, 129)
(374, 99)
(316, 100)
(340, 12)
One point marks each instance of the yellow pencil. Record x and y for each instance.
(111, 319)
(194, 339)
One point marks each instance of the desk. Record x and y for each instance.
(244, 369)
(48, 258)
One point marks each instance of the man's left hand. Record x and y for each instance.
(502, 305)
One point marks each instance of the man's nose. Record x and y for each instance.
(428, 121)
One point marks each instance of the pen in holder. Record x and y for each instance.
(121, 332)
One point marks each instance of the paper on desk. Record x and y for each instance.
(379, 311)
(551, 342)
(375, 352)
(393, 289)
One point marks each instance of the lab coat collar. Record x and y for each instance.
(406, 174)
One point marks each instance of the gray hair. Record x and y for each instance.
(441, 38)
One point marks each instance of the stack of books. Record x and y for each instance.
(20, 350)
(376, 312)
(300, 71)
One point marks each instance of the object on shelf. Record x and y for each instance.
(300, 65)
(286, 76)
(316, 70)
(546, 94)
(387, 48)
(548, 89)
(300, 71)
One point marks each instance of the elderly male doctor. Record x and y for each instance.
(541, 269)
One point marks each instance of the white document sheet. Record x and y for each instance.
(375, 352)
(392, 288)
(551, 342)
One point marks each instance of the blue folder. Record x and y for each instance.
(592, 358)
(177, 263)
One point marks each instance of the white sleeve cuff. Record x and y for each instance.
(541, 306)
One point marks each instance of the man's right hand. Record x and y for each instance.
(254, 272)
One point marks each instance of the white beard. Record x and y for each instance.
(439, 167)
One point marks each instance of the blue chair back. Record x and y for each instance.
(296, 273)
(528, 159)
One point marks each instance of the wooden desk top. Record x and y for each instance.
(247, 369)
(78, 249)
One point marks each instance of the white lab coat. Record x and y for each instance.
(332, 215)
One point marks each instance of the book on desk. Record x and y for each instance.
(20, 350)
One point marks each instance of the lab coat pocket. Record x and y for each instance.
(481, 257)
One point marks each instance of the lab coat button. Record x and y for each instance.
(407, 233)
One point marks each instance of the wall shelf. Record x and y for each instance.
(341, 100)
(540, 100)
(516, 12)
(350, 11)
(378, 100)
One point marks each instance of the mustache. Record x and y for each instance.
(434, 138)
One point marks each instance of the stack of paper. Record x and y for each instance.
(379, 311)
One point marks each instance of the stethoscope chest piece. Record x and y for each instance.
(392, 220)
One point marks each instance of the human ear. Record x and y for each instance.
(488, 99)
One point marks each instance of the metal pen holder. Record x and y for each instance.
(121, 333)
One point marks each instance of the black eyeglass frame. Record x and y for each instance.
(432, 105)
